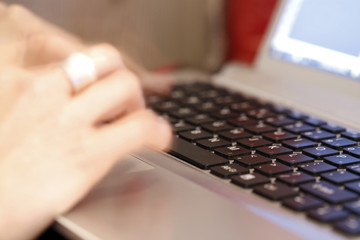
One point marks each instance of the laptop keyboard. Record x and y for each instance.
(305, 163)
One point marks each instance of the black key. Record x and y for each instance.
(166, 106)
(195, 155)
(354, 151)
(195, 87)
(328, 214)
(275, 191)
(200, 119)
(252, 160)
(349, 226)
(259, 128)
(272, 169)
(226, 171)
(254, 142)
(261, 113)
(190, 101)
(340, 177)
(207, 107)
(213, 143)
(194, 135)
(353, 186)
(316, 168)
(182, 112)
(249, 180)
(226, 100)
(279, 136)
(318, 135)
(295, 178)
(294, 159)
(243, 107)
(170, 119)
(242, 121)
(353, 135)
(314, 122)
(328, 192)
(320, 152)
(224, 113)
(177, 94)
(299, 143)
(355, 168)
(339, 143)
(153, 100)
(297, 115)
(280, 109)
(302, 203)
(353, 206)
(299, 127)
(211, 94)
(217, 126)
(341, 160)
(333, 128)
(232, 151)
(234, 134)
(273, 151)
(181, 126)
(279, 121)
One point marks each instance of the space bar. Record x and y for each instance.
(195, 155)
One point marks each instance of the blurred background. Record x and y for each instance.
(160, 33)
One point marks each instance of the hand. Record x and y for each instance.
(28, 41)
(54, 146)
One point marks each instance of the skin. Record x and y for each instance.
(54, 144)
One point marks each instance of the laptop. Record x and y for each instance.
(271, 152)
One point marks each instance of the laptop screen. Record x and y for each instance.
(322, 34)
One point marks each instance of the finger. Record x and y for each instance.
(106, 59)
(155, 83)
(152, 83)
(44, 49)
(27, 23)
(2, 8)
(142, 128)
(117, 94)
(14, 83)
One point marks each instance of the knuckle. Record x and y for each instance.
(36, 40)
(11, 74)
(133, 81)
(15, 79)
(17, 10)
(129, 79)
(107, 47)
(3, 6)
(41, 37)
(146, 122)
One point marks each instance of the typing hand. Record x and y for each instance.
(55, 145)
(28, 41)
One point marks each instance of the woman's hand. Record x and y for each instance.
(28, 41)
(55, 146)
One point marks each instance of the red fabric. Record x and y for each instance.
(247, 21)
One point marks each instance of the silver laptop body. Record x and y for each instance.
(152, 195)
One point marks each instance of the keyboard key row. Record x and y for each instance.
(304, 162)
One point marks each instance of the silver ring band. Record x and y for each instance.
(80, 70)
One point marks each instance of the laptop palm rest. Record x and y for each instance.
(138, 200)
